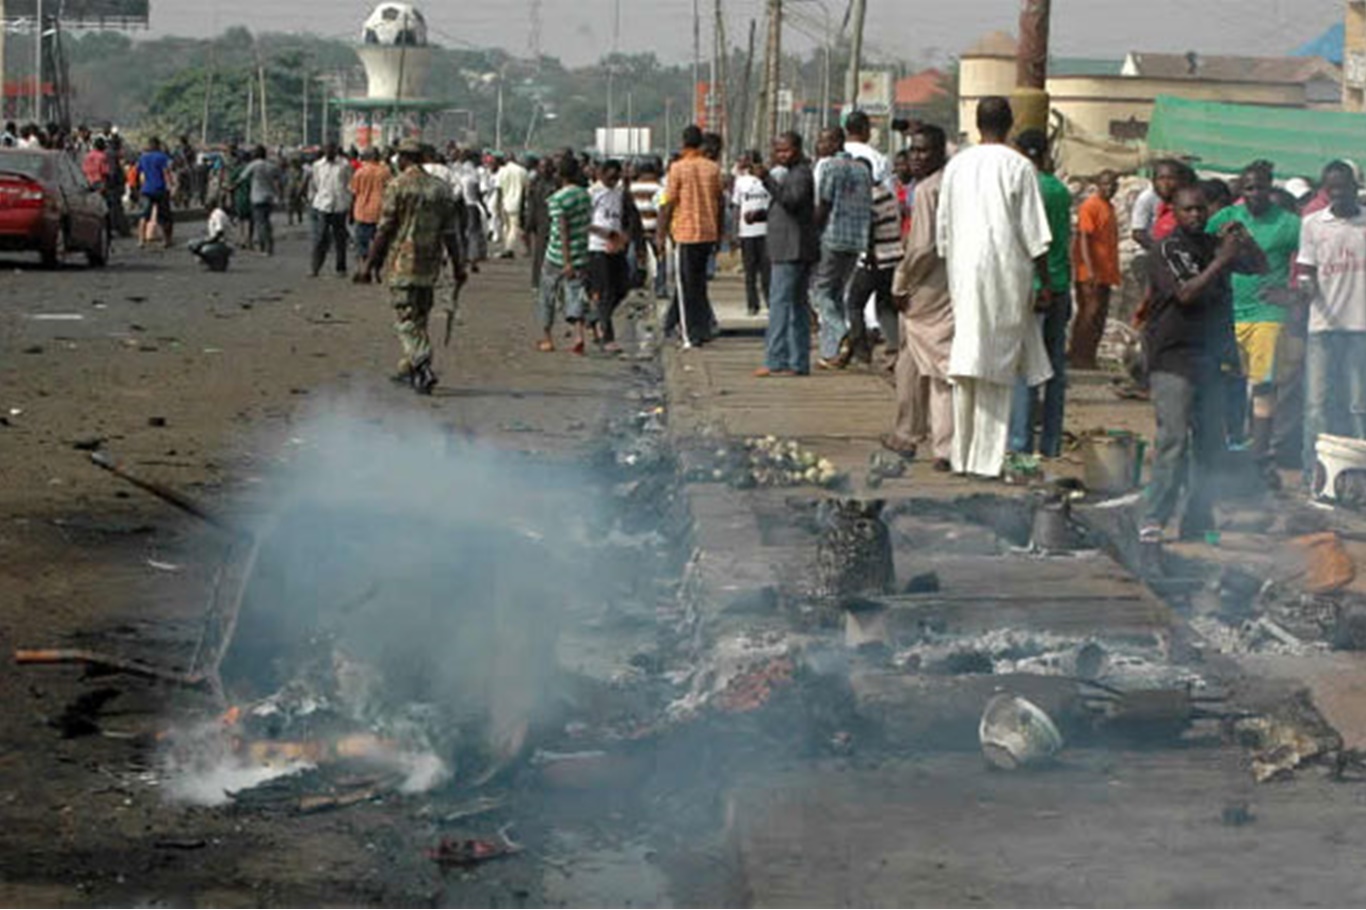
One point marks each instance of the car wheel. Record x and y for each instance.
(98, 255)
(54, 254)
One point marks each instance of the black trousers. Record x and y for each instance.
(865, 283)
(607, 284)
(697, 318)
(754, 255)
(329, 226)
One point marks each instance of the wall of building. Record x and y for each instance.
(1354, 57)
(1095, 102)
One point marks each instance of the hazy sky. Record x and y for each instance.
(580, 31)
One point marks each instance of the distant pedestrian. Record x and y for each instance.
(607, 251)
(1332, 258)
(751, 201)
(330, 183)
(692, 217)
(419, 226)
(367, 189)
(1052, 313)
(536, 215)
(993, 233)
(566, 256)
(793, 250)
(512, 184)
(872, 279)
(154, 180)
(266, 185)
(1096, 263)
(646, 190)
(844, 214)
(924, 397)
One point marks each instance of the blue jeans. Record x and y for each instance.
(365, 235)
(1334, 389)
(1190, 440)
(554, 284)
(787, 340)
(1054, 323)
(827, 293)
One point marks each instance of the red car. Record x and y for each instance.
(46, 205)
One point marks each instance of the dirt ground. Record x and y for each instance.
(200, 382)
(208, 383)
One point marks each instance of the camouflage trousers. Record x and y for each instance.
(412, 308)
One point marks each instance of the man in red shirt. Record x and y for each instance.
(1095, 256)
(95, 165)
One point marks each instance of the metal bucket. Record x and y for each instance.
(1112, 462)
(1051, 530)
(1017, 733)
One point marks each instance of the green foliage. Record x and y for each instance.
(163, 84)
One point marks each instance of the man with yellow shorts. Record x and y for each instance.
(1260, 301)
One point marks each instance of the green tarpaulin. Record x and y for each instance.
(1225, 137)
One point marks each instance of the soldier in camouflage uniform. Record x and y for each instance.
(421, 221)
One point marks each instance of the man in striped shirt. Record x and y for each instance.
(645, 193)
(873, 277)
(566, 254)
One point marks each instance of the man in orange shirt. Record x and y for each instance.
(1096, 255)
(367, 189)
(692, 217)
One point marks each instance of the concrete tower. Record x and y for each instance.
(394, 51)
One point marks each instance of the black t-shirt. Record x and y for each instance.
(1194, 339)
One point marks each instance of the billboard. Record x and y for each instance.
(83, 13)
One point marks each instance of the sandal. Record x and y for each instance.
(545, 347)
(892, 444)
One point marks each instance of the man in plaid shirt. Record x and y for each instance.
(844, 214)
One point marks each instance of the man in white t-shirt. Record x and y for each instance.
(1332, 260)
(607, 250)
(857, 131)
(751, 200)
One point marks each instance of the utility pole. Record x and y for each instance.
(498, 123)
(851, 78)
(251, 105)
(610, 139)
(719, 84)
(743, 120)
(696, 58)
(2, 58)
(668, 125)
(772, 70)
(1030, 101)
(303, 132)
(208, 94)
(38, 65)
(265, 110)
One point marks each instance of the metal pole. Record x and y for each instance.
(498, 124)
(610, 145)
(38, 66)
(303, 141)
(251, 104)
(398, 90)
(851, 79)
(696, 59)
(265, 110)
(719, 85)
(825, 79)
(668, 116)
(773, 67)
(743, 120)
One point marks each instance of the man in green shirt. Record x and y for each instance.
(1053, 305)
(566, 254)
(1260, 301)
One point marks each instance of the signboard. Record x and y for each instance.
(875, 92)
(83, 13)
(623, 141)
(1354, 69)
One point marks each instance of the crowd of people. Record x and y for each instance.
(987, 279)
(976, 279)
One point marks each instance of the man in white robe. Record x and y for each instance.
(993, 233)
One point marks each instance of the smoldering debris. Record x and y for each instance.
(399, 624)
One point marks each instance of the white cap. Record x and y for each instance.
(1298, 187)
